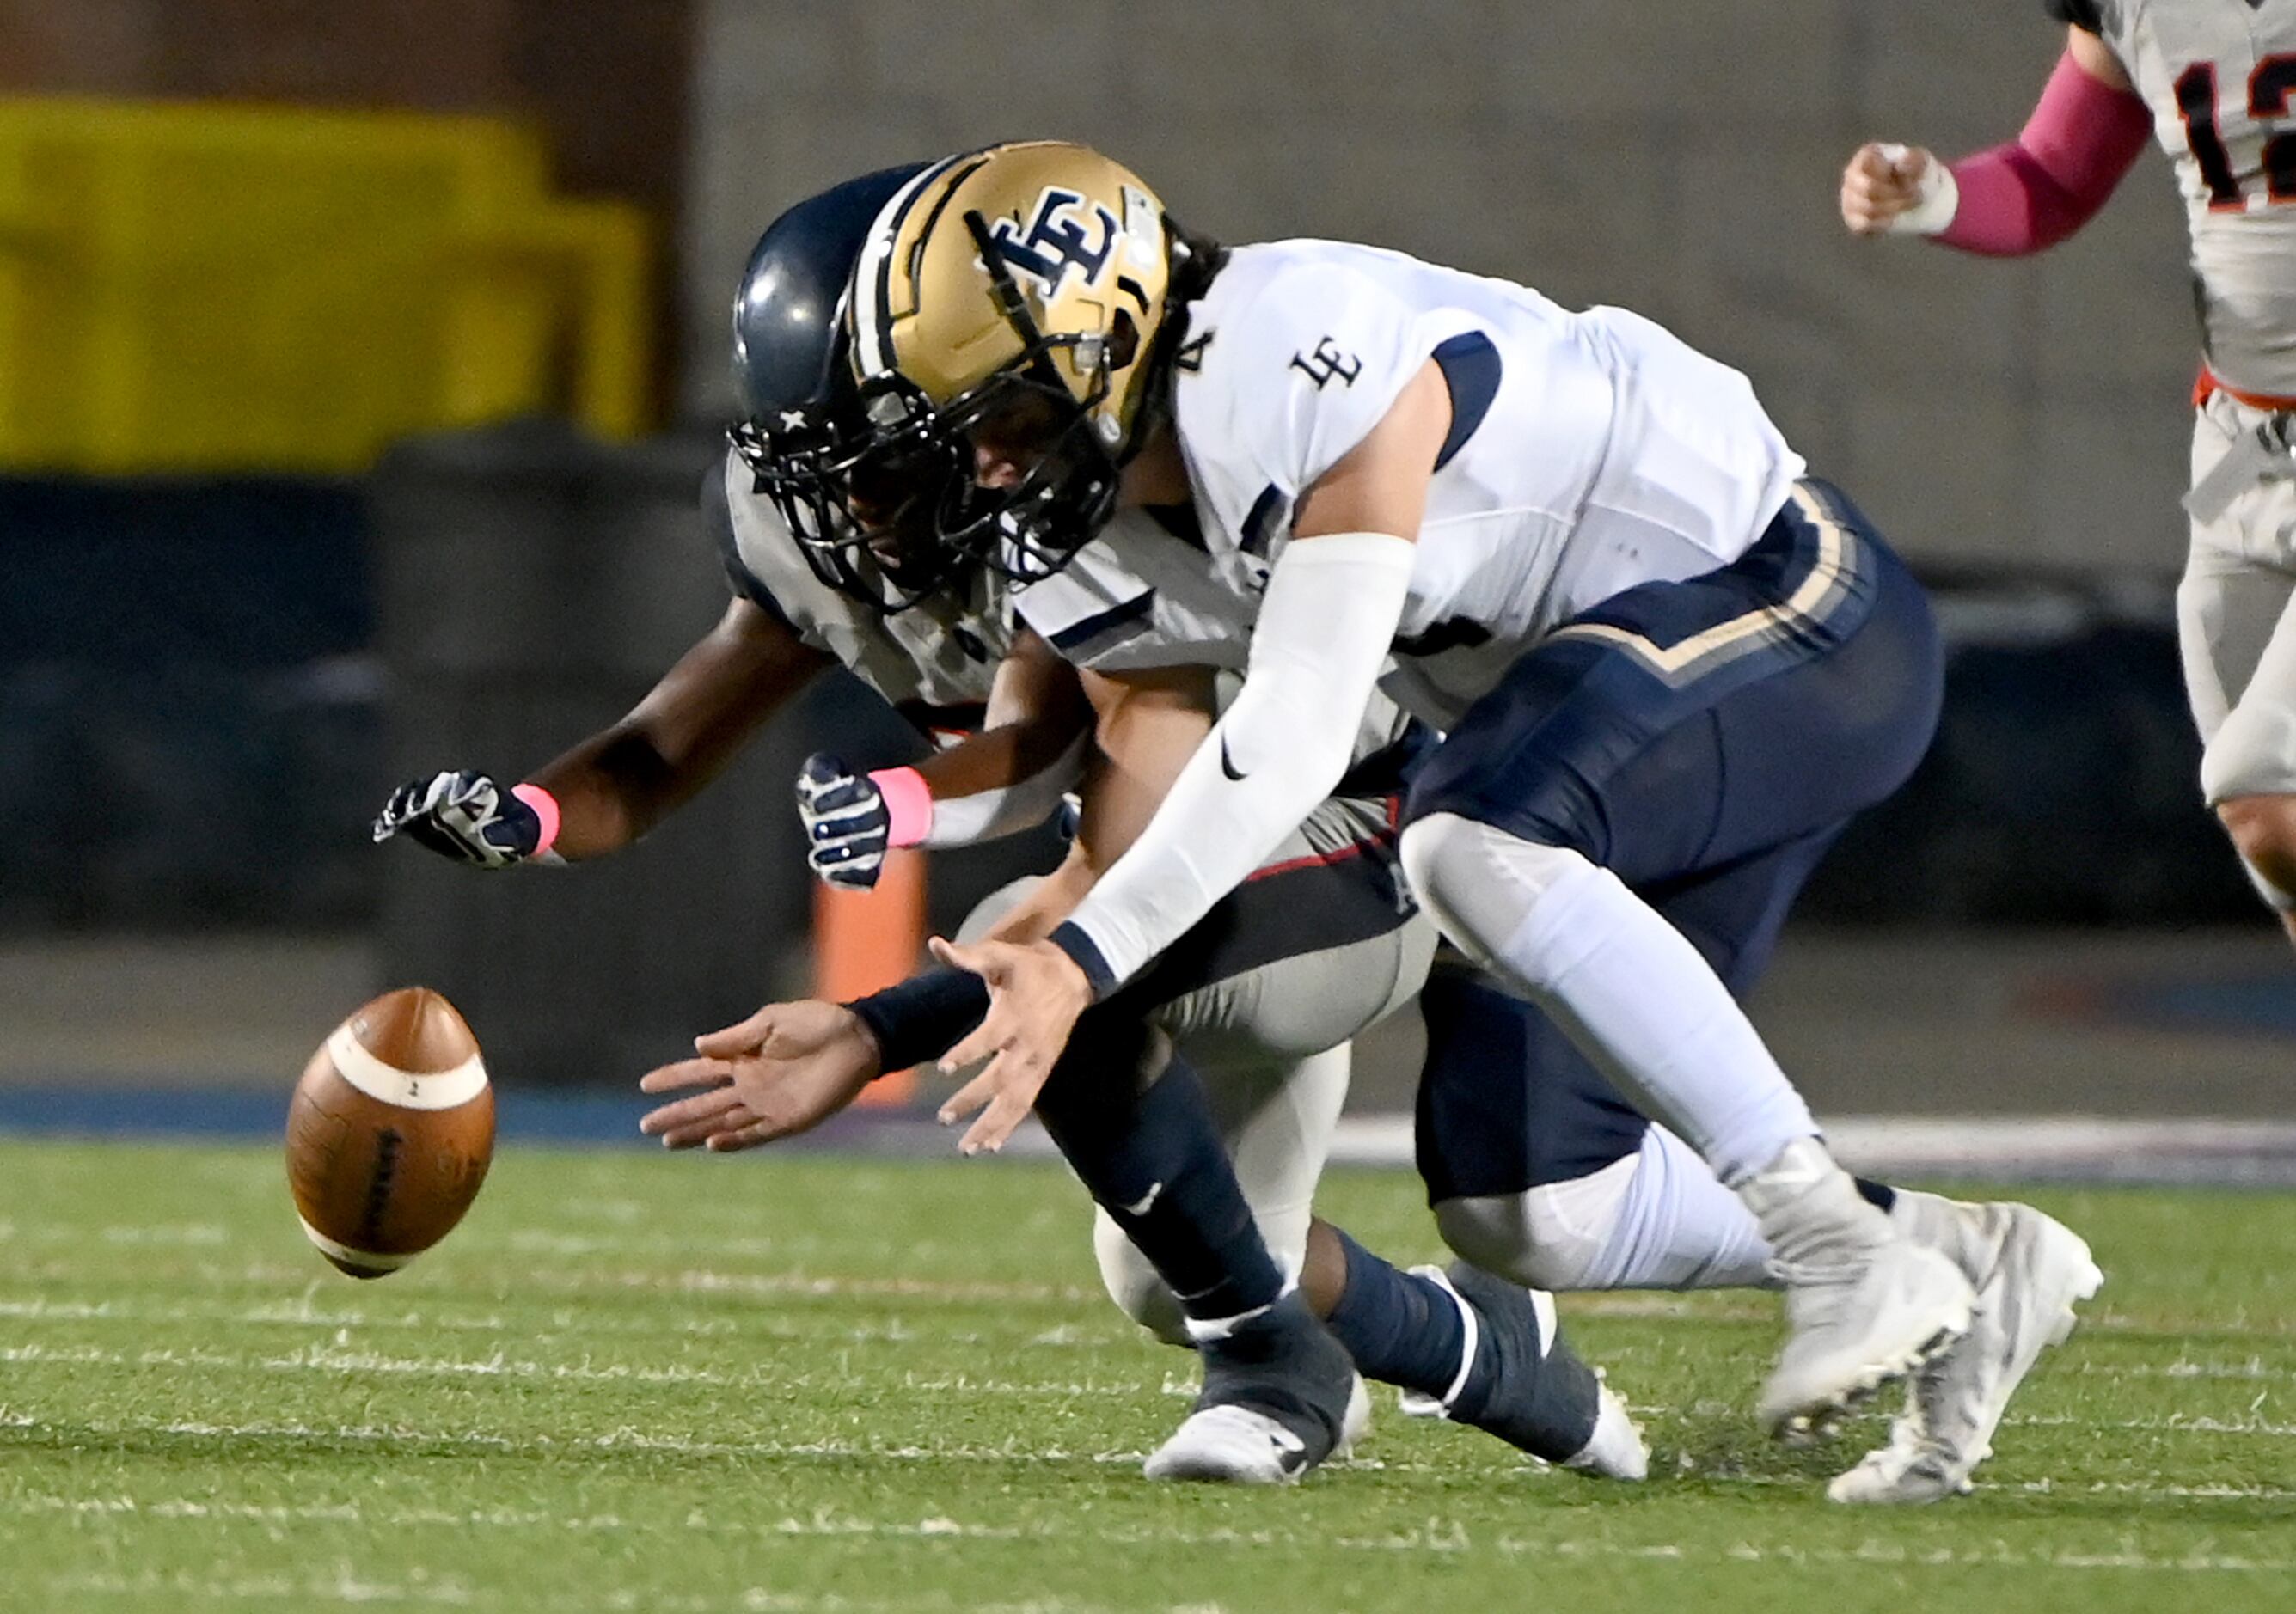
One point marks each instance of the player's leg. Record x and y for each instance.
(1656, 1216)
(1275, 1115)
(1278, 973)
(1772, 699)
(1132, 1121)
(2234, 624)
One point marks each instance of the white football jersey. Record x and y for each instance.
(2220, 78)
(935, 654)
(1141, 595)
(1588, 453)
(938, 658)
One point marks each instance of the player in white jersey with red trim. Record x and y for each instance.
(2212, 81)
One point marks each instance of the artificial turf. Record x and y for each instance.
(799, 1383)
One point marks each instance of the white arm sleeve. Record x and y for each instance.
(1330, 613)
(959, 821)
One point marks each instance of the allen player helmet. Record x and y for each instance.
(1030, 281)
(802, 430)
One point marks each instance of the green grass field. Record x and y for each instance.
(653, 1383)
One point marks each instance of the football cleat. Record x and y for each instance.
(1280, 1396)
(1866, 1305)
(2030, 1270)
(1521, 1381)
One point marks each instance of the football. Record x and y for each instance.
(390, 1132)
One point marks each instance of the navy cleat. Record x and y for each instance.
(1280, 1396)
(1520, 1381)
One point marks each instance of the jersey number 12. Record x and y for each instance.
(2268, 88)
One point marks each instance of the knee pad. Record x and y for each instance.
(1552, 1237)
(1480, 884)
(1133, 1283)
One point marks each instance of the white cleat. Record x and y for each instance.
(1615, 1451)
(1231, 1444)
(2030, 1270)
(1857, 1328)
(1865, 1304)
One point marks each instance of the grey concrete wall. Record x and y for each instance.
(1677, 157)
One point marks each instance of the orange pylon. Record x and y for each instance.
(865, 941)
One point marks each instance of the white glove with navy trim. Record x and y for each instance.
(463, 816)
(848, 827)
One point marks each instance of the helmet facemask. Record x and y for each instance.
(1074, 459)
(860, 510)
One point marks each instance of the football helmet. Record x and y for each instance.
(1027, 286)
(802, 435)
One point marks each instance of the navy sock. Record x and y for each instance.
(1154, 1161)
(1400, 1328)
(1880, 1195)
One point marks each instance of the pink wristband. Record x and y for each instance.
(545, 807)
(908, 804)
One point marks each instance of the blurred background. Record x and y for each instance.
(360, 363)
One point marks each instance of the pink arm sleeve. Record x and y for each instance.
(2051, 180)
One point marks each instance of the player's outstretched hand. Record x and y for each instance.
(1036, 992)
(464, 815)
(1882, 182)
(785, 1069)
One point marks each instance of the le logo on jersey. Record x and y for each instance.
(1327, 363)
(1058, 238)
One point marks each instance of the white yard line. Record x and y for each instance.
(339, 1359)
(1106, 1329)
(153, 1588)
(1444, 1537)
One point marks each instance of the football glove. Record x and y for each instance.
(463, 816)
(848, 827)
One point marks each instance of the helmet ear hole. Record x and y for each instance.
(1123, 341)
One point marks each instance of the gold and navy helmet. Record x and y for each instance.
(1033, 280)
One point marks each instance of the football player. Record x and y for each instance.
(1318, 945)
(2212, 81)
(1669, 665)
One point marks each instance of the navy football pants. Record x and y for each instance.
(1706, 740)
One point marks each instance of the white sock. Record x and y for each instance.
(1658, 1219)
(1628, 989)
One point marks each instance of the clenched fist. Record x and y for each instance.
(1892, 190)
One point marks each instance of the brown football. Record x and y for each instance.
(390, 1132)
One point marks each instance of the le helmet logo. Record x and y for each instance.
(1058, 237)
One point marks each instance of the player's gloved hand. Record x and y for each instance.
(464, 815)
(848, 827)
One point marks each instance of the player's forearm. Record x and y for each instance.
(613, 788)
(2029, 195)
(616, 785)
(1328, 616)
(999, 782)
(1010, 776)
